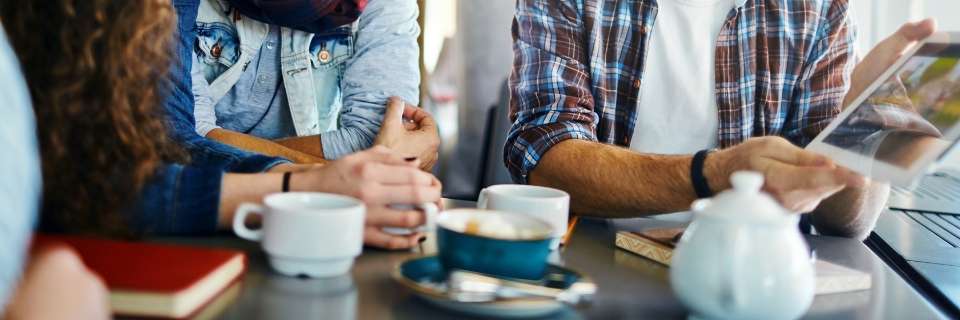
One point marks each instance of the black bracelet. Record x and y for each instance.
(286, 181)
(700, 185)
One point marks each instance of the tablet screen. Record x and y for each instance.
(905, 119)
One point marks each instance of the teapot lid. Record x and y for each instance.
(745, 202)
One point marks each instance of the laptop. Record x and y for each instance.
(938, 192)
(919, 236)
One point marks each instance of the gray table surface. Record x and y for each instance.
(630, 287)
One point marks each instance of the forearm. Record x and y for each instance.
(296, 167)
(311, 145)
(240, 188)
(852, 212)
(261, 146)
(614, 182)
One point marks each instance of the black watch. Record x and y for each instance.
(700, 185)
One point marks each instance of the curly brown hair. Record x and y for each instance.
(97, 73)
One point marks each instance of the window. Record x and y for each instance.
(877, 19)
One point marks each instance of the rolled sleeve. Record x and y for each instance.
(531, 143)
(550, 96)
(385, 63)
(825, 79)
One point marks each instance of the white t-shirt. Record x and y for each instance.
(677, 109)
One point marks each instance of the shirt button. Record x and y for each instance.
(269, 45)
(216, 50)
(262, 78)
(324, 56)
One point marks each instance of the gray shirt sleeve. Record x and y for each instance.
(385, 63)
(19, 172)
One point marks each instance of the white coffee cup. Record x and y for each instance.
(429, 210)
(305, 233)
(548, 204)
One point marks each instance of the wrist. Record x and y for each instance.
(382, 139)
(716, 171)
(286, 181)
(305, 181)
(701, 186)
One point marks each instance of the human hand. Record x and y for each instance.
(797, 178)
(380, 178)
(57, 285)
(885, 54)
(417, 137)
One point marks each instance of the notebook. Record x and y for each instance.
(658, 245)
(157, 280)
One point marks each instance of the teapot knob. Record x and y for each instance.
(747, 181)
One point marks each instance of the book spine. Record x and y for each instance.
(645, 249)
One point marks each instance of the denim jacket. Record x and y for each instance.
(336, 83)
(182, 198)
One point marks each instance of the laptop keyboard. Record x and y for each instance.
(945, 226)
(938, 186)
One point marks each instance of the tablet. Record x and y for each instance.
(905, 120)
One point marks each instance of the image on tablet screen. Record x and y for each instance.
(907, 116)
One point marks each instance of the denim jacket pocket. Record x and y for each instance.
(217, 48)
(329, 98)
(329, 56)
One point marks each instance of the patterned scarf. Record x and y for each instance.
(314, 16)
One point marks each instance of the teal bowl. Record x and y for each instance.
(520, 258)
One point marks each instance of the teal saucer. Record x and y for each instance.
(425, 277)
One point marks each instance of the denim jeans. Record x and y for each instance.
(185, 198)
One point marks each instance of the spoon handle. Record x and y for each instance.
(466, 280)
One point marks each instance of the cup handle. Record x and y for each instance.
(482, 200)
(240, 228)
(430, 211)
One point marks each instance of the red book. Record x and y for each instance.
(156, 280)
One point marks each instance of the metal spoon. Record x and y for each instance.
(466, 286)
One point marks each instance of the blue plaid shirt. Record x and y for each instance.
(782, 68)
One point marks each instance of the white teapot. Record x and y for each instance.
(743, 257)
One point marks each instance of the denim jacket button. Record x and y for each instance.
(324, 56)
(216, 50)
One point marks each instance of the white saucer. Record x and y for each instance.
(425, 278)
